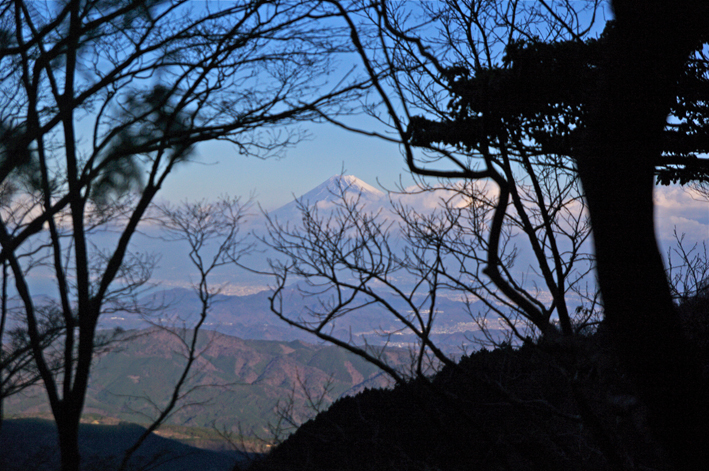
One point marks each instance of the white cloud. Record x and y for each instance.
(694, 231)
(681, 209)
(428, 201)
(680, 201)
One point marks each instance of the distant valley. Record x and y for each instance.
(250, 317)
(250, 360)
(235, 384)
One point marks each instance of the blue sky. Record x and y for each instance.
(221, 170)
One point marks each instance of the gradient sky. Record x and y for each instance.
(221, 170)
(331, 151)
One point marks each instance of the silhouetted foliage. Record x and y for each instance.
(632, 113)
(541, 92)
(99, 101)
(513, 409)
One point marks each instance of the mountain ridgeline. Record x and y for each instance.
(235, 384)
(326, 196)
(250, 317)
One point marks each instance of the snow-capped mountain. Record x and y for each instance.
(175, 268)
(328, 194)
(333, 187)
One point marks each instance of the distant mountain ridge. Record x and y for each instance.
(250, 317)
(234, 381)
(349, 183)
(175, 267)
(326, 196)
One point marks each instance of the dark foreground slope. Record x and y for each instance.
(558, 406)
(31, 445)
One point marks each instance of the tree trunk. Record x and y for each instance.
(3, 318)
(616, 169)
(640, 313)
(68, 430)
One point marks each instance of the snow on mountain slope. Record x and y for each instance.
(327, 195)
(331, 189)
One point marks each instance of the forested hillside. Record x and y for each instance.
(235, 384)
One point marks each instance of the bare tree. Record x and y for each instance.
(100, 101)
(688, 269)
(350, 260)
(17, 368)
(290, 415)
(416, 57)
(467, 76)
(482, 90)
(211, 231)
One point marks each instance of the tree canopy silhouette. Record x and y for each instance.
(99, 101)
(542, 92)
(468, 86)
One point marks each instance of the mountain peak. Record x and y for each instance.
(349, 183)
(339, 185)
(326, 196)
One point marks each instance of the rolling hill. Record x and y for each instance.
(235, 384)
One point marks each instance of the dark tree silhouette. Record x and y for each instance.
(405, 261)
(462, 83)
(206, 227)
(554, 95)
(100, 101)
(648, 53)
